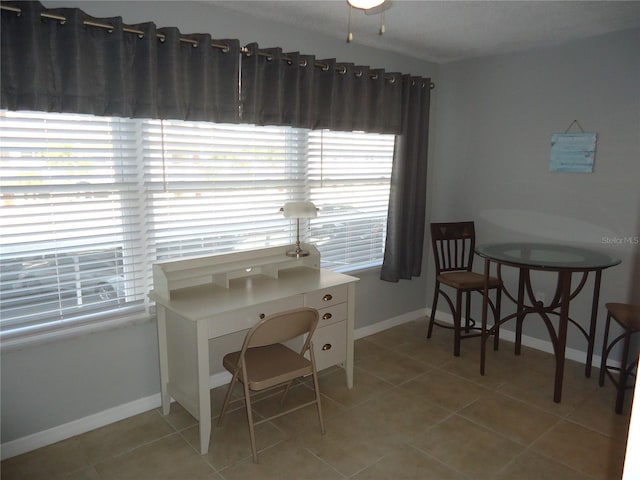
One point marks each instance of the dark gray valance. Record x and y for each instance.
(60, 63)
(298, 90)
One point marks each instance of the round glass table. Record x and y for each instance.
(562, 259)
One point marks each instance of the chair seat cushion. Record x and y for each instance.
(466, 280)
(626, 315)
(269, 365)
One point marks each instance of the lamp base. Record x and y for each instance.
(297, 253)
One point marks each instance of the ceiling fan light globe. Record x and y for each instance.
(365, 4)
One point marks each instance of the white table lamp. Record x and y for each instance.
(299, 210)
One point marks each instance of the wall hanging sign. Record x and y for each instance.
(573, 152)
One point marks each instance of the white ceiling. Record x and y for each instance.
(450, 30)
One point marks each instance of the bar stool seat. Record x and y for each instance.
(628, 317)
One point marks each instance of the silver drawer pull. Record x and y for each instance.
(327, 297)
(326, 346)
(326, 316)
(262, 315)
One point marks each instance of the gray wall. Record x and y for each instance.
(53, 384)
(491, 158)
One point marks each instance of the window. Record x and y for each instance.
(89, 203)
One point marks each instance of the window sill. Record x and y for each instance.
(19, 341)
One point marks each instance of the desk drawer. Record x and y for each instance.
(245, 318)
(330, 345)
(326, 297)
(332, 314)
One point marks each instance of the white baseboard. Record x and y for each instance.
(136, 407)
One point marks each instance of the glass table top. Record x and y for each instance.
(546, 255)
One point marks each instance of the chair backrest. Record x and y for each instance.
(283, 326)
(453, 245)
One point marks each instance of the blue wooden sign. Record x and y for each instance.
(573, 152)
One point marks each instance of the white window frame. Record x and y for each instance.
(167, 204)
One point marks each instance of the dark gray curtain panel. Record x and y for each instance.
(407, 201)
(64, 64)
(300, 91)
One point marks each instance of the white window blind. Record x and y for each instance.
(89, 203)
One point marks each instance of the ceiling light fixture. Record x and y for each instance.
(365, 4)
(369, 7)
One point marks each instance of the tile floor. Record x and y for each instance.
(415, 412)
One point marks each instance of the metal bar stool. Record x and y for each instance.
(628, 317)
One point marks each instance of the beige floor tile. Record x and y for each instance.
(230, 442)
(178, 417)
(536, 388)
(532, 466)
(365, 387)
(444, 389)
(433, 352)
(352, 442)
(392, 367)
(125, 435)
(396, 337)
(168, 458)
(597, 412)
(512, 418)
(89, 473)
(471, 448)
(296, 422)
(406, 463)
(583, 449)
(51, 462)
(286, 460)
(402, 412)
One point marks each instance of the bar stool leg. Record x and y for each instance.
(624, 373)
(605, 350)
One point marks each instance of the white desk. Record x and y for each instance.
(204, 298)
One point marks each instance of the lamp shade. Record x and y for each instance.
(299, 210)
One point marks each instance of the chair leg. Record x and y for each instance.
(316, 388)
(605, 351)
(457, 320)
(624, 373)
(433, 309)
(227, 398)
(252, 433)
(467, 318)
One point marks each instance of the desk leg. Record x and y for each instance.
(204, 400)
(164, 358)
(565, 285)
(592, 325)
(351, 313)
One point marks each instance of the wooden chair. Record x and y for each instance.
(628, 317)
(453, 248)
(265, 363)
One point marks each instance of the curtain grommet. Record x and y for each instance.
(358, 73)
(303, 62)
(342, 69)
